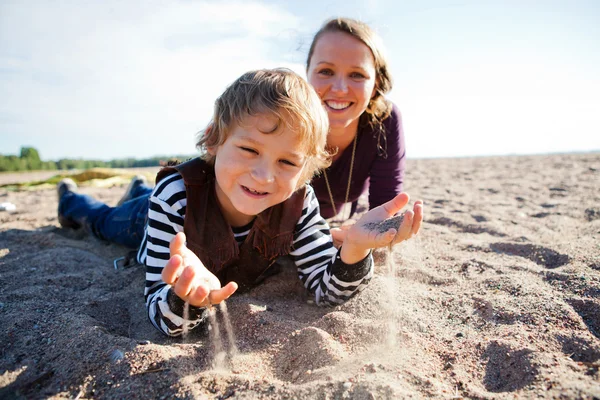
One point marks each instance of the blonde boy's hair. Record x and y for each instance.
(280, 93)
(379, 107)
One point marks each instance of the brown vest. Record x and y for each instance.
(210, 237)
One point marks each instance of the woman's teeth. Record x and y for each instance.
(338, 105)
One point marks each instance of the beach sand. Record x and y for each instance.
(497, 297)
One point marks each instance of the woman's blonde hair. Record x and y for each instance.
(379, 108)
(280, 93)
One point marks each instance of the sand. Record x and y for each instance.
(497, 297)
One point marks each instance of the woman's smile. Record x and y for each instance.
(337, 105)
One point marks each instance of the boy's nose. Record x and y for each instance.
(262, 173)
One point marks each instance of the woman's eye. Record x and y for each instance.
(357, 75)
(326, 72)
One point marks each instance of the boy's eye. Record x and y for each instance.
(248, 149)
(288, 162)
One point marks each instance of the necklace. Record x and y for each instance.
(349, 180)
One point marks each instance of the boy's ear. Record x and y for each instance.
(207, 131)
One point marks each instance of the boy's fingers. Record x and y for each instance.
(184, 283)
(202, 296)
(217, 296)
(382, 239)
(396, 204)
(338, 234)
(177, 244)
(170, 272)
(418, 219)
(405, 229)
(199, 295)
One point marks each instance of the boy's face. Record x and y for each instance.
(256, 170)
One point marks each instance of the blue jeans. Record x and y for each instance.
(124, 224)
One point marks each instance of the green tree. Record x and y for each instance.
(12, 163)
(31, 158)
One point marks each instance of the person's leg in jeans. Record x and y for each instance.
(124, 224)
(137, 187)
(142, 190)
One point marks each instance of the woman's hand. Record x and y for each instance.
(189, 278)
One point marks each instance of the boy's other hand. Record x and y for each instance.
(339, 234)
(360, 238)
(189, 278)
(411, 224)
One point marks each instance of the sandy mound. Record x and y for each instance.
(498, 297)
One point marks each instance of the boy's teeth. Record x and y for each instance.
(338, 105)
(254, 191)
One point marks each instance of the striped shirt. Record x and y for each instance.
(319, 265)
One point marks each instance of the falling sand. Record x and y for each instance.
(221, 352)
(390, 316)
(224, 353)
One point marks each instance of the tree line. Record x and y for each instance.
(29, 160)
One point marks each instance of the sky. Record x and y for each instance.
(116, 79)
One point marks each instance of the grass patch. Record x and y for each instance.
(98, 177)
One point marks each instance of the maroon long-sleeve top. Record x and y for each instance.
(374, 172)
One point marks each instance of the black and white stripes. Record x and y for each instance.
(319, 266)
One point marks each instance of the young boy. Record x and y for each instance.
(245, 202)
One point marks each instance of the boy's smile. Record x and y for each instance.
(257, 167)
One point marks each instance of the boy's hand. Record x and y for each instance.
(362, 237)
(189, 278)
(339, 234)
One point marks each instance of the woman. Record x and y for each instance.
(349, 71)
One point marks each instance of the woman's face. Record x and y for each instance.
(342, 71)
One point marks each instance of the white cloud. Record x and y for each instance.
(446, 126)
(142, 75)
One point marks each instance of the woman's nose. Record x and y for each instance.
(339, 85)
